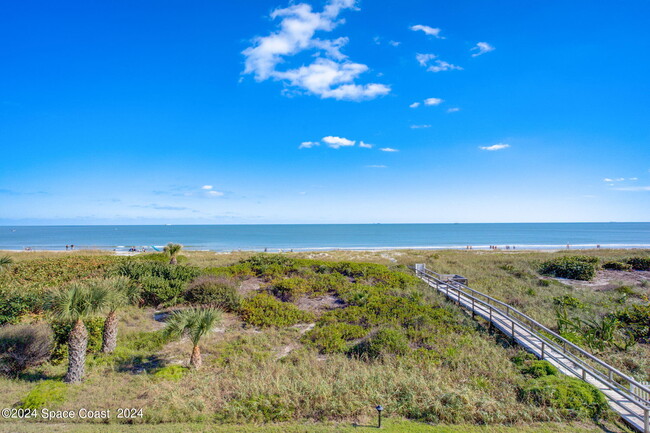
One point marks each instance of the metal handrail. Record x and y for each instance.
(608, 379)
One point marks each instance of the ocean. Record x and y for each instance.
(302, 237)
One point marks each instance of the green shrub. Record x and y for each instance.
(14, 304)
(570, 395)
(24, 346)
(333, 338)
(625, 290)
(386, 341)
(171, 372)
(309, 284)
(159, 291)
(220, 292)
(61, 331)
(161, 283)
(617, 266)
(290, 289)
(639, 263)
(539, 369)
(567, 301)
(264, 310)
(636, 320)
(571, 267)
(46, 393)
(522, 357)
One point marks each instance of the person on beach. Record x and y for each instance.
(67, 247)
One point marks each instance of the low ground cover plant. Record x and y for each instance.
(215, 291)
(571, 267)
(386, 337)
(265, 310)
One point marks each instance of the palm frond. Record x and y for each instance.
(172, 249)
(5, 262)
(193, 322)
(78, 301)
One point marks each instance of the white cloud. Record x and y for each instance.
(619, 179)
(365, 145)
(420, 126)
(376, 166)
(206, 187)
(394, 43)
(337, 142)
(415, 105)
(433, 101)
(439, 65)
(453, 110)
(633, 178)
(632, 188)
(388, 149)
(424, 59)
(494, 147)
(431, 31)
(331, 74)
(482, 48)
(308, 144)
(443, 66)
(214, 193)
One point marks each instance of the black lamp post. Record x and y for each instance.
(379, 409)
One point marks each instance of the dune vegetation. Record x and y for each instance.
(310, 338)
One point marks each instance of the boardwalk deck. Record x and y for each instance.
(625, 395)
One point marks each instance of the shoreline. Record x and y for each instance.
(124, 251)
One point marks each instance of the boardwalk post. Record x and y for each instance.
(542, 354)
(646, 421)
(512, 327)
(473, 308)
(584, 374)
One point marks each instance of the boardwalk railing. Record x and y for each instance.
(627, 396)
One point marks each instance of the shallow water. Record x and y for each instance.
(330, 236)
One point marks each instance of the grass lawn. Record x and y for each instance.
(389, 426)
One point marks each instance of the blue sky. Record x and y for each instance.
(274, 112)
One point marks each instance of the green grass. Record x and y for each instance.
(426, 368)
(388, 426)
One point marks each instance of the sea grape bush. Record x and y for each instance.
(264, 310)
(15, 303)
(61, 331)
(219, 292)
(160, 283)
(569, 395)
(334, 337)
(571, 267)
(639, 263)
(617, 266)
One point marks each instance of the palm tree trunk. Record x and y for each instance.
(173, 260)
(195, 359)
(77, 344)
(109, 340)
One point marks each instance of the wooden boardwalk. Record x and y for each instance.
(625, 395)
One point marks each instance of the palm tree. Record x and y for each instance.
(119, 293)
(5, 262)
(172, 250)
(195, 323)
(75, 304)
